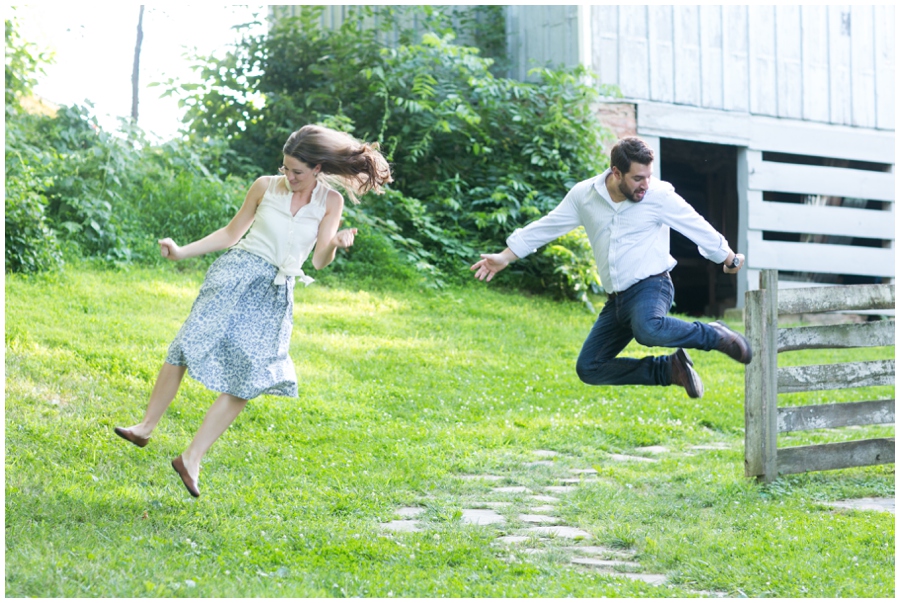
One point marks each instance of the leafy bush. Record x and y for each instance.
(30, 243)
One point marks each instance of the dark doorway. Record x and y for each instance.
(706, 176)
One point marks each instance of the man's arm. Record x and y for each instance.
(524, 241)
(681, 216)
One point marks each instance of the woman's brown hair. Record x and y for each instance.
(357, 167)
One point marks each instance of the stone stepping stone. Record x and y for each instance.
(539, 519)
(486, 478)
(543, 509)
(584, 551)
(544, 453)
(885, 505)
(545, 498)
(653, 449)
(511, 489)
(606, 563)
(540, 464)
(513, 539)
(407, 512)
(628, 458)
(481, 517)
(491, 504)
(583, 471)
(560, 489)
(559, 532)
(714, 446)
(402, 525)
(651, 579)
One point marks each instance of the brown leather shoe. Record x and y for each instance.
(732, 343)
(684, 375)
(129, 435)
(189, 483)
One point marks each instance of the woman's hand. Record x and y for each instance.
(168, 249)
(344, 238)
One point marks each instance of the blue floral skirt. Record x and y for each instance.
(236, 338)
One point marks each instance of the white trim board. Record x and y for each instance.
(764, 133)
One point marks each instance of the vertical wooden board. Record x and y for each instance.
(605, 28)
(768, 352)
(686, 36)
(754, 393)
(735, 65)
(711, 84)
(662, 54)
(788, 67)
(840, 100)
(884, 67)
(763, 83)
(862, 61)
(572, 35)
(814, 69)
(635, 60)
(514, 43)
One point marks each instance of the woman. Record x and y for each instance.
(235, 340)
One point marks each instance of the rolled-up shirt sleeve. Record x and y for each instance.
(679, 215)
(563, 219)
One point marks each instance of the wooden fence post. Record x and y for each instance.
(768, 281)
(761, 379)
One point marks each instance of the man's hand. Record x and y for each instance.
(732, 258)
(492, 263)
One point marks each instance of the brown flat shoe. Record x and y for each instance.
(129, 435)
(683, 374)
(189, 483)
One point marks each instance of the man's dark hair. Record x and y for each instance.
(630, 149)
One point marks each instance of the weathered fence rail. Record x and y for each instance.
(764, 380)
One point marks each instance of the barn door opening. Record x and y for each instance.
(706, 176)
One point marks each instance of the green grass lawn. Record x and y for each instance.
(403, 393)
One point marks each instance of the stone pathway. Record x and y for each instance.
(540, 531)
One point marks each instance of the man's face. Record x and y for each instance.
(635, 183)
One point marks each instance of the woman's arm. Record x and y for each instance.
(224, 237)
(329, 239)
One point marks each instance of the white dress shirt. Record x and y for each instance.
(630, 240)
(280, 238)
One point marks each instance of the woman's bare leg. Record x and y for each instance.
(219, 416)
(167, 383)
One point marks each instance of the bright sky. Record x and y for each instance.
(94, 47)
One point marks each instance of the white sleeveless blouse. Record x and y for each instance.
(280, 238)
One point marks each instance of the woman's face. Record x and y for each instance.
(300, 176)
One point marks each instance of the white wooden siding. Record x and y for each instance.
(828, 64)
(542, 35)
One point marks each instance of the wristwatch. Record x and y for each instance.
(735, 262)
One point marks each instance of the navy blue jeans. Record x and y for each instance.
(639, 313)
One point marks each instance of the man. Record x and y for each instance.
(627, 216)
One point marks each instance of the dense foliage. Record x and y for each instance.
(474, 155)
